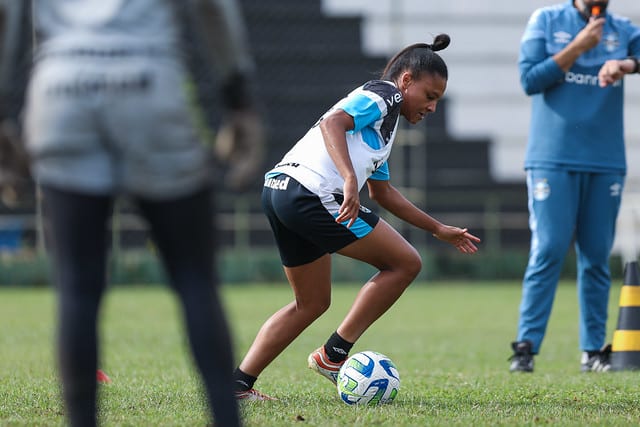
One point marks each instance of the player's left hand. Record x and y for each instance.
(613, 70)
(459, 237)
(240, 145)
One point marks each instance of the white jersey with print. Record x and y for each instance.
(73, 24)
(151, 25)
(106, 109)
(375, 108)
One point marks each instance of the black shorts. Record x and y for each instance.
(304, 226)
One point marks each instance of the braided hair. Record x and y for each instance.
(419, 58)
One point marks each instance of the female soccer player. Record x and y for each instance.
(312, 202)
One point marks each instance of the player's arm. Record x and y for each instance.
(352, 114)
(225, 33)
(539, 70)
(240, 139)
(15, 63)
(388, 197)
(15, 55)
(334, 127)
(585, 40)
(614, 69)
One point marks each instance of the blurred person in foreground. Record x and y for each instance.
(311, 198)
(107, 114)
(573, 58)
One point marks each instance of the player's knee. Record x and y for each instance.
(596, 257)
(323, 305)
(315, 307)
(411, 267)
(549, 254)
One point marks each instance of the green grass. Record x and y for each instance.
(450, 342)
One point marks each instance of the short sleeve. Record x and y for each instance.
(363, 109)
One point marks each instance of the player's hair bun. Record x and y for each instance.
(440, 42)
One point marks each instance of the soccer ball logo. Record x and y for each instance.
(368, 378)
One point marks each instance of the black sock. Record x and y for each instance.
(242, 381)
(337, 348)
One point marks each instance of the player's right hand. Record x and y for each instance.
(591, 34)
(350, 207)
(240, 146)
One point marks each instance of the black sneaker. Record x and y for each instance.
(596, 361)
(522, 358)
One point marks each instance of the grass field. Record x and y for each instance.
(450, 342)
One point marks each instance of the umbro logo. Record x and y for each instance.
(339, 350)
(562, 37)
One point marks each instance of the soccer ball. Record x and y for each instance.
(368, 378)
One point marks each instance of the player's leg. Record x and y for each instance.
(369, 239)
(552, 216)
(184, 232)
(594, 239)
(311, 284)
(398, 263)
(76, 227)
(295, 215)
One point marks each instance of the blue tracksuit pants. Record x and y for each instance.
(566, 207)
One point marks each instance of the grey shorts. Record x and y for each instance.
(106, 125)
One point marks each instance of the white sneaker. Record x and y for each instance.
(319, 362)
(596, 361)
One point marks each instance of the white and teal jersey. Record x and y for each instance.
(575, 124)
(375, 108)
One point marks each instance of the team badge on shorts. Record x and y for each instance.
(541, 190)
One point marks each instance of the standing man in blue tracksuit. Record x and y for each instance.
(573, 57)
